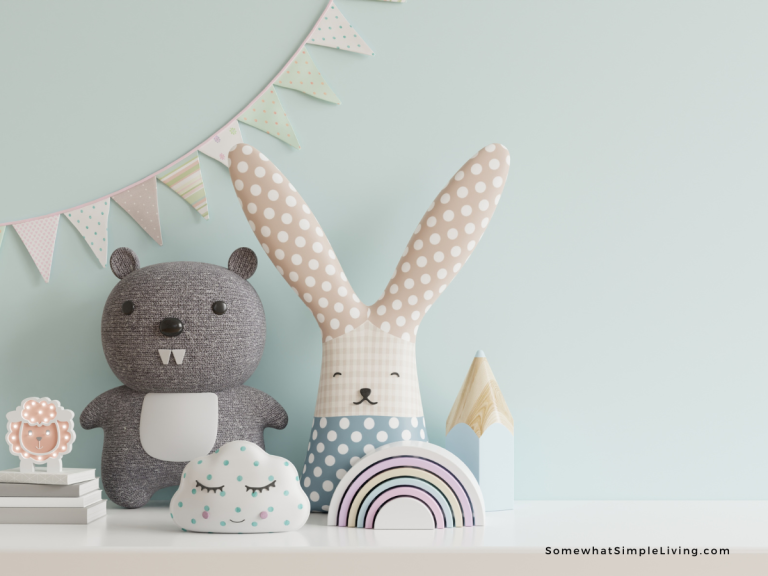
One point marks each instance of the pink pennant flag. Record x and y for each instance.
(222, 142)
(39, 236)
(140, 202)
(335, 31)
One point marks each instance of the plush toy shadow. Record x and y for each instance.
(182, 337)
(369, 389)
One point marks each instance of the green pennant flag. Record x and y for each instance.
(303, 75)
(186, 179)
(267, 114)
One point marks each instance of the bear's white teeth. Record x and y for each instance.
(178, 355)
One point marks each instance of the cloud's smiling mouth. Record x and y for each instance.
(237, 521)
(178, 355)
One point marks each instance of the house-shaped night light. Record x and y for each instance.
(479, 430)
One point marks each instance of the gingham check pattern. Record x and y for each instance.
(366, 357)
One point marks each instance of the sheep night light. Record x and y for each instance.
(40, 431)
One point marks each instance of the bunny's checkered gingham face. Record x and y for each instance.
(368, 358)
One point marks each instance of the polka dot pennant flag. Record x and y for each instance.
(303, 75)
(335, 31)
(140, 202)
(91, 222)
(39, 236)
(222, 142)
(267, 115)
(186, 179)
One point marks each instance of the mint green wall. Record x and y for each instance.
(619, 292)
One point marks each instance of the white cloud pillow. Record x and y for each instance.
(240, 489)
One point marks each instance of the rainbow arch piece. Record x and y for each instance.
(408, 485)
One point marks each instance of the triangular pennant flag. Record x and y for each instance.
(222, 142)
(39, 236)
(335, 31)
(140, 202)
(91, 222)
(267, 114)
(2, 233)
(186, 180)
(303, 75)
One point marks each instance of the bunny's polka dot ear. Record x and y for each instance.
(293, 239)
(443, 242)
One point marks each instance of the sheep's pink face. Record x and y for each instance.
(39, 442)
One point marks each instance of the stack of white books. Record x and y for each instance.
(71, 496)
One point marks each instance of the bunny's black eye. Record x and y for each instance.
(128, 307)
(395, 374)
(336, 374)
(219, 307)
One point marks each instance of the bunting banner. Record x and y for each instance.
(268, 116)
(140, 201)
(186, 179)
(184, 175)
(91, 222)
(39, 236)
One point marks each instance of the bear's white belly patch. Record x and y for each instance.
(179, 427)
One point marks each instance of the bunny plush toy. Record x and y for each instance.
(369, 388)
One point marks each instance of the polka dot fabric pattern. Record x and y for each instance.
(91, 222)
(337, 444)
(295, 242)
(39, 236)
(239, 489)
(443, 242)
(140, 202)
(335, 31)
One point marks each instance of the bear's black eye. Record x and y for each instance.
(128, 307)
(219, 307)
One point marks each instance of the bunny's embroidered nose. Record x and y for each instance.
(171, 327)
(365, 392)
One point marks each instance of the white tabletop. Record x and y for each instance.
(742, 527)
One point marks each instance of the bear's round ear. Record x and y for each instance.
(124, 261)
(243, 262)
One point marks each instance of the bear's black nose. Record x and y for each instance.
(365, 392)
(171, 327)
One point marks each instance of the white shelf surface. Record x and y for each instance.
(529, 529)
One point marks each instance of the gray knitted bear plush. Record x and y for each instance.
(182, 337)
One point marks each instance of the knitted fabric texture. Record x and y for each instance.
(219, 352)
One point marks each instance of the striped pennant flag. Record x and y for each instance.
(222, 142)
(303, 75)
(91, 222)
(186, 179)
(39, 236)
(335, 31)
(267, 114)
(140, 202)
